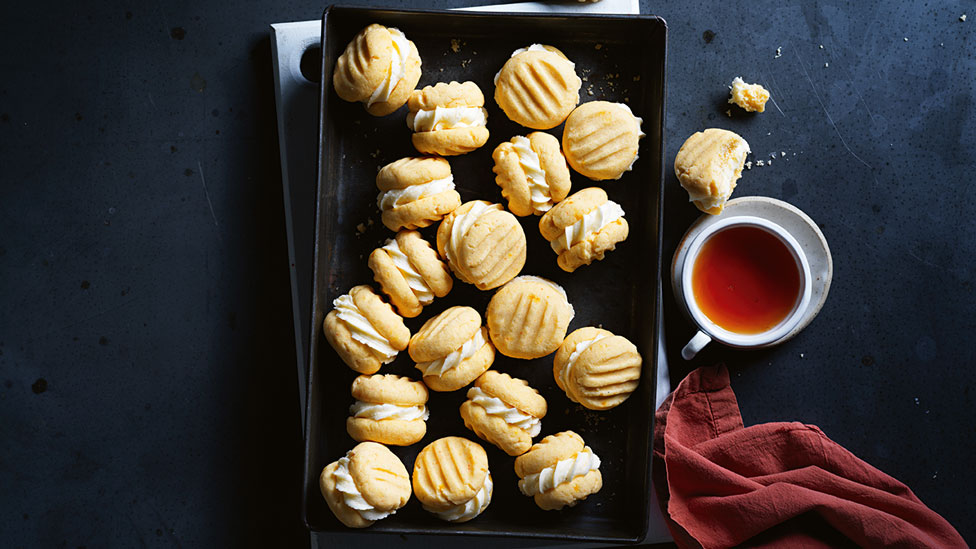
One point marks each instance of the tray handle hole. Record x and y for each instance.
(311, 64)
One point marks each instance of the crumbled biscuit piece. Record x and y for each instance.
(455, 45)
(779, 53)
(751, 97)
(598, 46)
(962, 18)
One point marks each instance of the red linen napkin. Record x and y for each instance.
(777, 484)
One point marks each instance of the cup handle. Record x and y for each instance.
(696, 344)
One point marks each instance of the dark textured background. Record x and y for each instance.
(148, 389)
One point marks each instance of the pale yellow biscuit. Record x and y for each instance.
(370, 335)
(538, 87)
(751, 97)
(600, 139)
(389, 409)
(708, 165)
(565, 485)
(504, 411)
(366, 485)
(415, 192)
(410, 273)
(528, 317)
(531, 172)
(448, 119)
(484, 245)
(583, 228)
(449, 472)
(380, 67)
(596, 368)
(452, 349)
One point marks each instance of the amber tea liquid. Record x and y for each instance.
(745, 280)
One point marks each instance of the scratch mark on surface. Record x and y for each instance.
(772, 78)
(206, 193)
(772, 97)
(850, 78)
(822, 106)
(152, 101)
(926, 262)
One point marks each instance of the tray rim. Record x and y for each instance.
(644, 522)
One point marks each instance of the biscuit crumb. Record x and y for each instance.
(465, 62)
(905, 39)
(455, 45)
(729, 113)
(751, 97)
(821, 46)
(369, 221)
(760, 163)
(598, 46)
(779, 53)
(589, 92)
(962, 18)
(749, 165)
(782, 153)
(826, 65)
(375, 153)
(442, 69)
(585, 79)
(769, 162)
(626, 100)
(637, 78)
(360, 229)
(772, 155)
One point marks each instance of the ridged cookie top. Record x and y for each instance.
(483, 243)
(409, 171)
(453, 94)
(389, 389)
(600, 139)
(571, 210)
(537, 89)
(597, 369)
(513, 391)
(379, 475)
(448, 472)
(531, 172)
(381, 316)
(547, 452)
(363, 64)
(528, 317)
(708, 165)
(444, 333)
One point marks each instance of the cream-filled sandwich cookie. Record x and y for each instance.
(448, 119)
(451, 479)
(483, 244)
(532, 173)
(596, 368)
(559, 470)
(365, 330)
(708, 165)
(584, 227)
(410, 273)
(528, 317)
(537, 87)
(452, 349)
(389, 409)
(600, 139)
(379, 68)
(415, 192)
(368, 484)
(505, 411)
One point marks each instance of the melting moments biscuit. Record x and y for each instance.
(584, 227)
(483, 244)
(528, 317)
(505, 411)
(708, 165)
(600, 139)
(532, 173)
(365, 330)
(537, 87)
(596, 368)
(451, 479)
(559, 470)
(408, 270)
(380, 67)
(448, 119)
(415, 192)
(452, 349)
(368, 484)
(389, 409)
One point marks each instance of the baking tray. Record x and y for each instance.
(620, 57)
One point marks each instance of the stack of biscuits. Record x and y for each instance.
(480, 241)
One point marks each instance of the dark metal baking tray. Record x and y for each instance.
(621, 57)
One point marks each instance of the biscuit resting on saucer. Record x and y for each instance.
(600, 139)
(483, 244)
(415, 192)
(452, 349)
(537, 87)
(366, 485)
(451, 479)
(532, 173)
(528, 317)
(410, 273)
(596, 368)
(505, 411)
(559, 470)
(379, 68)
(389, 409)
(708, 166)
(584, 227)
(365, 330)
(448, 119)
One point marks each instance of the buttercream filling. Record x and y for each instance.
(563, 471)
(398, 68)
(557, 287)
(371, 410)
(464, 222)
(496, 407)
(351, 495)
(534, 174)
(392, 198)
(591, 224)
(471, 508)
(640, 132)
(535, 47)
(361, 329)
(416, 282)
(447, 118)
(577, 351)
(467, 350)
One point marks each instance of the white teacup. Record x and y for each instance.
(708, 330)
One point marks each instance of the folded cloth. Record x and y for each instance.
(777, 484)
